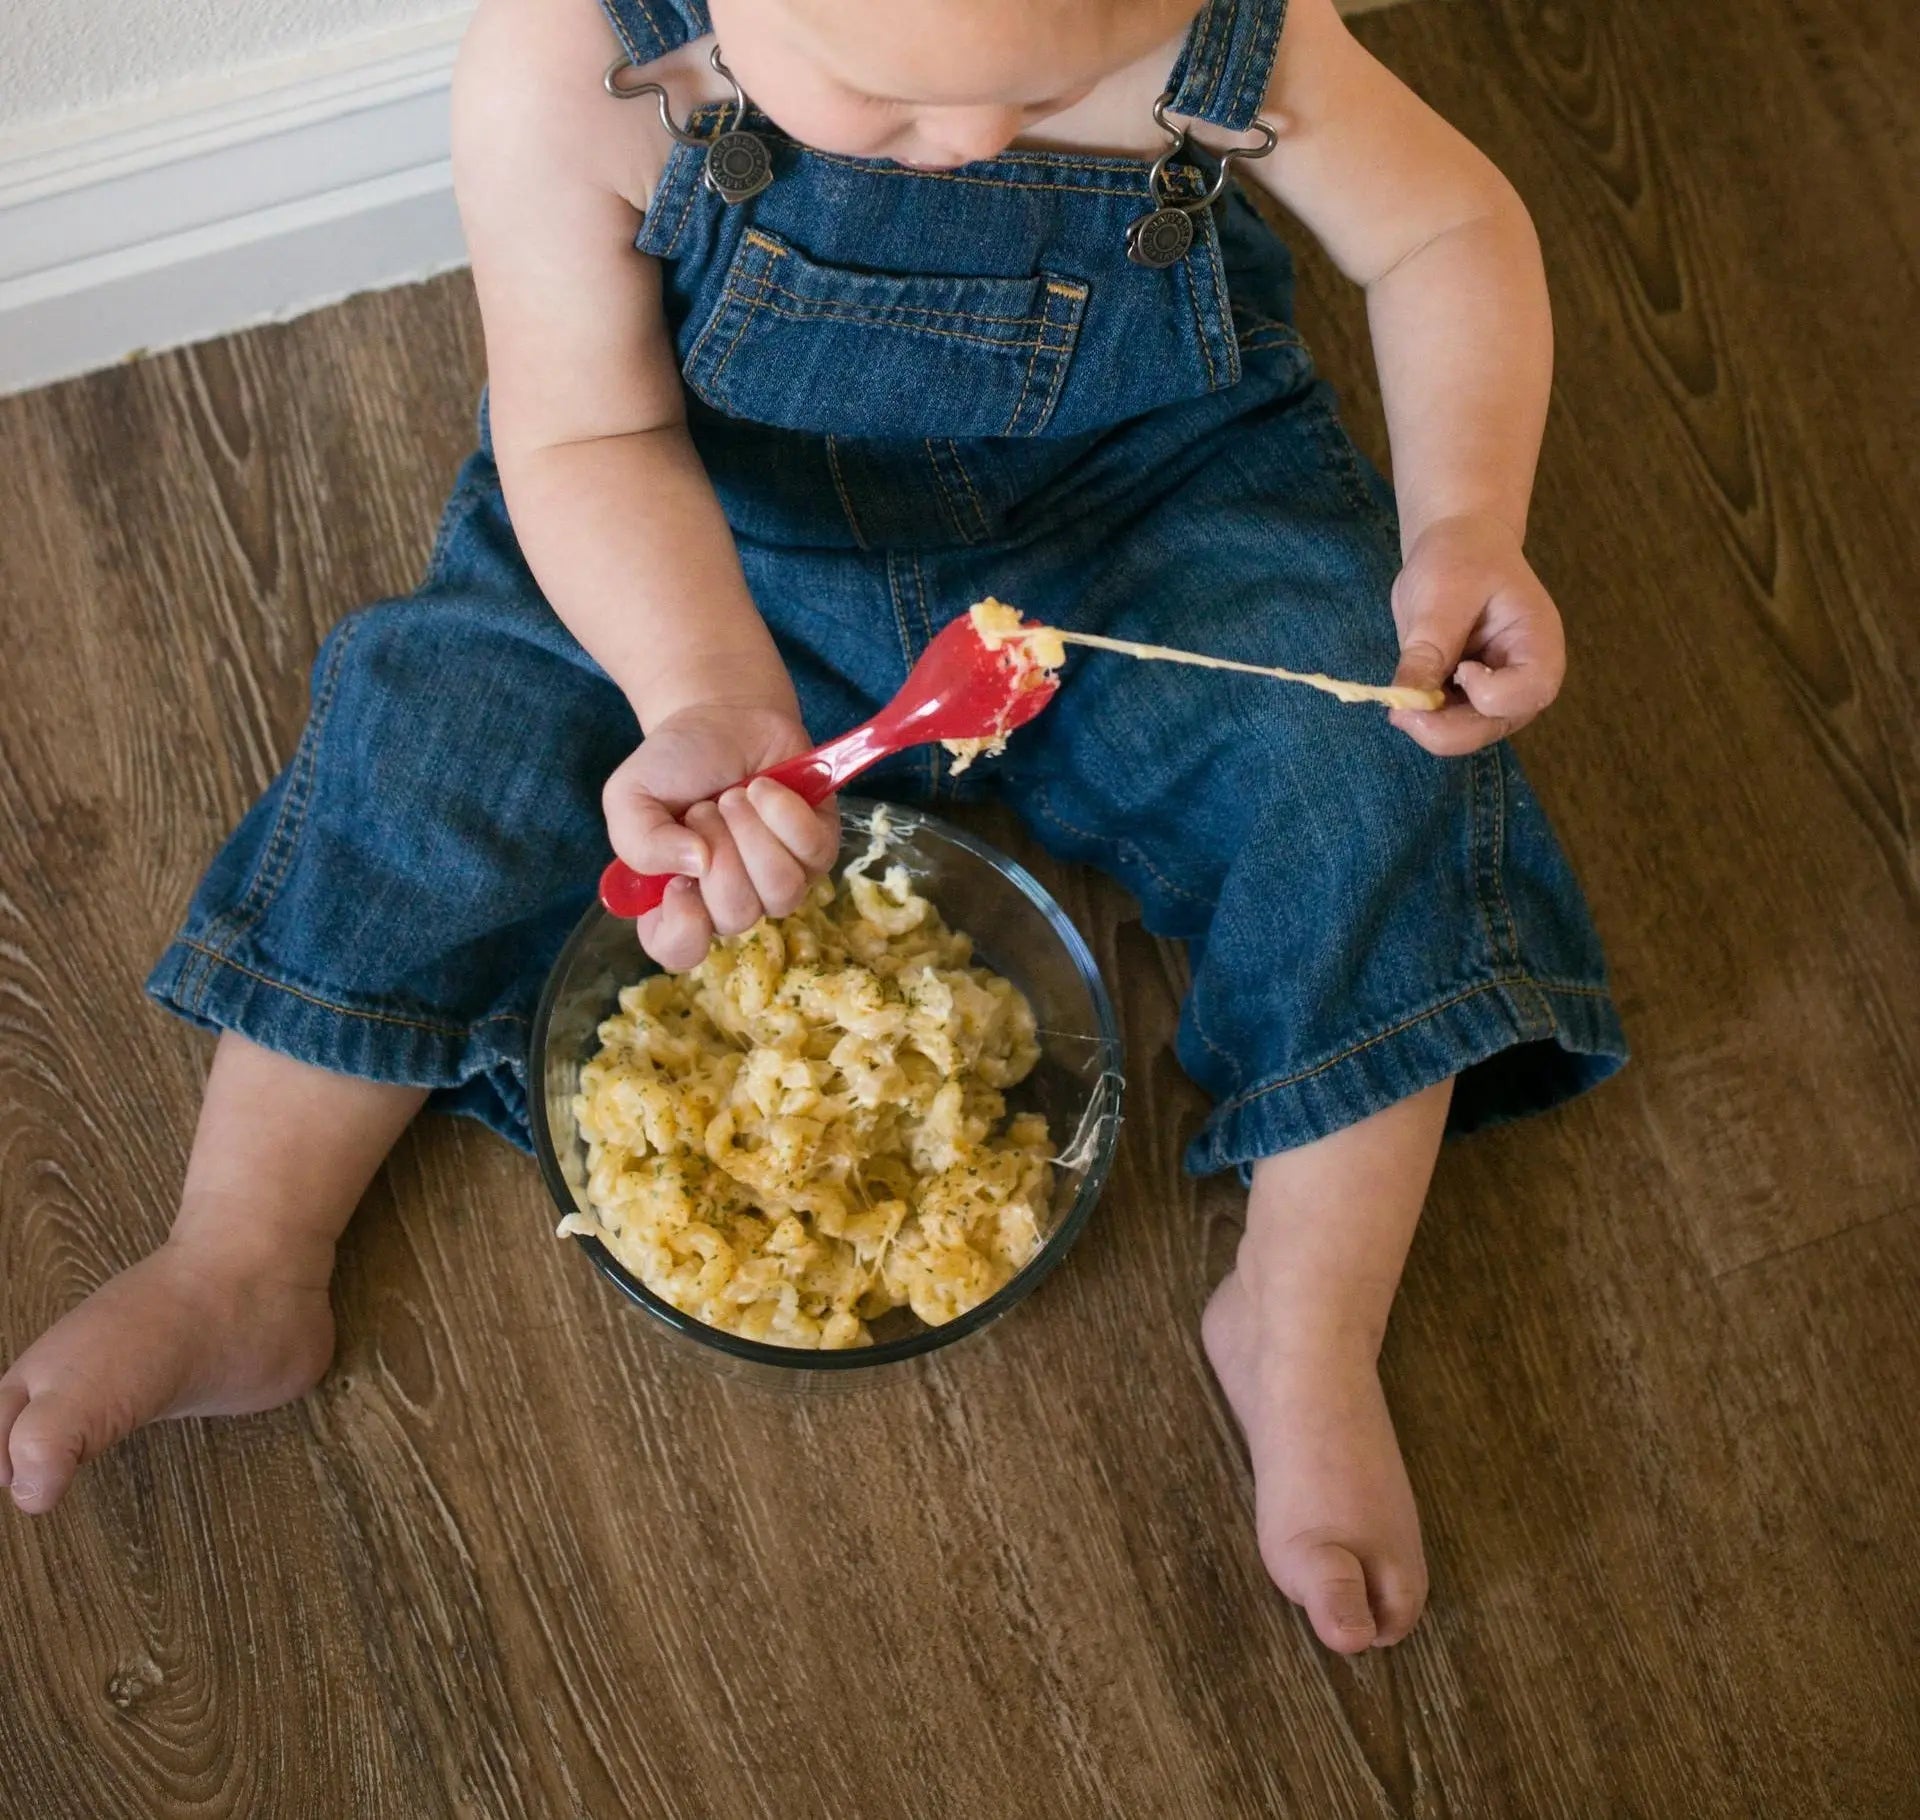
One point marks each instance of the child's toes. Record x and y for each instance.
(13, 1399)
(1399, 1597)
(44, 1451)
(1330, 1582)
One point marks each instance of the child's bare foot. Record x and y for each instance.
(193, 1330)
(1334, 1512)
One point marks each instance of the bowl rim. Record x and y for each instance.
(858, 812)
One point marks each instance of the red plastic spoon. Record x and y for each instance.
(958, 690)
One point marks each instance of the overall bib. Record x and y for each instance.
(912, 389)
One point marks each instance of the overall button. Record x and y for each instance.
(1160, 239)
(738, 166)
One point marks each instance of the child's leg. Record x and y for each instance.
(1382, 942)
(1294, 1333)
(383, 915)
(230, 1315)
(387, 913)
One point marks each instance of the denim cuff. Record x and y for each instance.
(475, 1071)
(1516, 1045)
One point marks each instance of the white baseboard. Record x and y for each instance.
(215, 207)
(200, 213)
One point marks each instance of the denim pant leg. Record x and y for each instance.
(1364, 920)
(390, 907)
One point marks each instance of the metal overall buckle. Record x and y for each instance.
(1163, 236)
(738, 164)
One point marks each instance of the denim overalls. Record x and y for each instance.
(912, 389)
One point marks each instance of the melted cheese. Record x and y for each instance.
(1387, 695)
(1041, 650)
(1037, 655)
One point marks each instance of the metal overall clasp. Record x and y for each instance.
(738, 164)
(1163, 236)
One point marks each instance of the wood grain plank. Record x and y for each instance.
(1702, 602)
(1653, 1359)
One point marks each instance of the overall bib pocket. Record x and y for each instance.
(830, 351)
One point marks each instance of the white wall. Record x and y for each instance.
(175, 169)
(62, 57)
(72, 56)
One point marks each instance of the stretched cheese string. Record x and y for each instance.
(1389, 696)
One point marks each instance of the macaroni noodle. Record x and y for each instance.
(810, 1128)
(1037, 653)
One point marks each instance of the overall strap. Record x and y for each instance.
(1227, 62)
(648, 29)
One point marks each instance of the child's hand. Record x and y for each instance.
(1471, 611)
(746, 855)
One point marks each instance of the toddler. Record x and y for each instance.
(808, 324)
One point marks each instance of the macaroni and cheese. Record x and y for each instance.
(1037, 652)
(811, 1128)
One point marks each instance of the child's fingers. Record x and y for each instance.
(731, 900)
(1497, 701)
(1515, 692)
(1450, 732)
(811, 835)
(645, 834)
(678, 934)
(778, 879)
(1424, 662)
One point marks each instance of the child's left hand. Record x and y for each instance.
(1471, 612)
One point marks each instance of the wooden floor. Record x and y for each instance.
(1657, 1360)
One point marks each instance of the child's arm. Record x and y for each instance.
(1464, 343)
(609, 501)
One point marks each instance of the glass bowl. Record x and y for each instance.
(1018, 930)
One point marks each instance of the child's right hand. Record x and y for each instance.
(675, 806)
